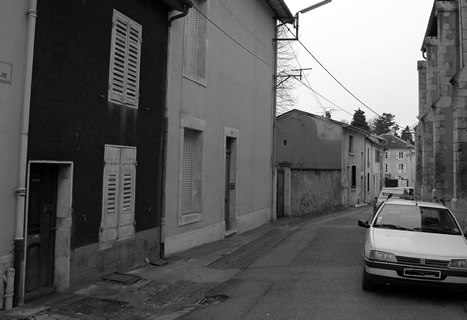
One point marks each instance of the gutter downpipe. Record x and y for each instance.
(166, 132)
(178, 16)
(19, 242)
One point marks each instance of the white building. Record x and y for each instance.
(398, 161)
(220, 113)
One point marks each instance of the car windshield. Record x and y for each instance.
(415, 218)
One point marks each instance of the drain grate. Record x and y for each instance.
(122, 278)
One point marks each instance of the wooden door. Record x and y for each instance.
(280, 193)
(228, 154)
(40, 244)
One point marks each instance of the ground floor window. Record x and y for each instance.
(191, 170)
(118, 204)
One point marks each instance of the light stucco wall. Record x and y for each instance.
(12, 41)
(393, 161)
(308, 142)
(314, 191)
(238, 95)
(353, 195)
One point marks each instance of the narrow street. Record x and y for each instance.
(315, 273)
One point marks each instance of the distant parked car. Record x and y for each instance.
(396, 192)
(414, 242)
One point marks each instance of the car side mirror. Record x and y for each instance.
(363, 223)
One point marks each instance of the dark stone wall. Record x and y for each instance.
(71, 118)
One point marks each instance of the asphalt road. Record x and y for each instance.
(315, 273)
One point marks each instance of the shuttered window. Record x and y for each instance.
(186, 203)
(118, 208)
(125, 61)
(195, 42)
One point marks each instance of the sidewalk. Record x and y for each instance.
(164, 289)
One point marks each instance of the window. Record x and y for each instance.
(351, 144)
(377, 156)
(195, 42)
(386, 169)
(191, 170)
(401, 168)
(118, 205)
(386, 155)
(400, 155)
(125, 61)
(354, 177)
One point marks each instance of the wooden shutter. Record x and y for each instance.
(126, 217)
(191, 40)
(133, 62)
(125, 60)
(111, 190)
(186, 201)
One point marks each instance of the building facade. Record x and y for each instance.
(83, 123)
(398, 162)
(220, 114)
(131, 131)
(324, 163)
(441, 131)
(15, 61)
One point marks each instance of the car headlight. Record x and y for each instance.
(458, 264)
(382, 256)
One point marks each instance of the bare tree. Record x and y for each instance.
(286, 64)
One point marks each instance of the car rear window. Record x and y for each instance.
(415, 218)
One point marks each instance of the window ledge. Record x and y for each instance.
(189, 218)
(198, 80)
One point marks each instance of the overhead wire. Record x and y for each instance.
(317, 93)
(231, 38)
(299, 64)
(332, 76)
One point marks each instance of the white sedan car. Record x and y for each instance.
(414, 242)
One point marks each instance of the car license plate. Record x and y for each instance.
(422, 273)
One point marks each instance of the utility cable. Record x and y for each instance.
(234, 40)
(299, 64)
(315, 92)
(332, 76)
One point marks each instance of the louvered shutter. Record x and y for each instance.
(126, 217)
(111, 192)
(125, 60)
(133, 62)
(191, 40)
(186, 205)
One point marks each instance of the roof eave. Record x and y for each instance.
(178, 5)
(429, 27)
(281, 11)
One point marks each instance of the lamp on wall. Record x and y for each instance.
(307, 9)
(319, 4)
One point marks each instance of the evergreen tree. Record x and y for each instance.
(407, 136)
(385, 124)
(359, 120)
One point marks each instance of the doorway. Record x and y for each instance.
(230, 184)
(42, 219)
(48, 233)
(280, 198)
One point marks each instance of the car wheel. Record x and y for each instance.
(367, 284)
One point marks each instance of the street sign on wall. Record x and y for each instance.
(6, 70)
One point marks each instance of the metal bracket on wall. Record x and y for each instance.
(285, 76)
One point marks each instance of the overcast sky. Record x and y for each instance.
(371, 47)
